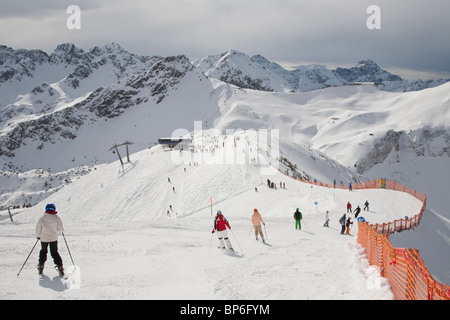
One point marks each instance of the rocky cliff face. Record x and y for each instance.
(17, 65)
(425, 142)
(109, 102)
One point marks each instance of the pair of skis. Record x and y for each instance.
(60, 272)
(265, 231)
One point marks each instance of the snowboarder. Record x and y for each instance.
(349, 207)
(220, 225)
(357, 211)
(47, 229)
(366, 205)
(256, 221)
(342, 223)
(327, 219)
(348, 224)
(298, 217)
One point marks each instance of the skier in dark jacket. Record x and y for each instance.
(348, 224)
(298, 217)
(357, 211)
(366, 205)
(342, 222)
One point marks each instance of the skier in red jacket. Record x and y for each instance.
(220, 225)
(349, 207)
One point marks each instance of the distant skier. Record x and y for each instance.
(220, 225)
(366, 205)
(348, 224)
(342, 223)
(357, 211)
(256, 221)
(298, 217)
(47, 229)
(349, 207)
(327, 219)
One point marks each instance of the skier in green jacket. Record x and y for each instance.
(298, 217)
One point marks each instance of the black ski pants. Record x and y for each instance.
(53, 251)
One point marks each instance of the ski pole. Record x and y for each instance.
(250, 231)
(305, 225)
(28, 257)
(265, 231)
(236, 239)
(210, 242)
(68, 249)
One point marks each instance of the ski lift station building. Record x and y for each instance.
(176, 143)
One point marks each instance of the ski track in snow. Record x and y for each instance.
(126, 247)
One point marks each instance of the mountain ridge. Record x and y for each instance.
(110, 92)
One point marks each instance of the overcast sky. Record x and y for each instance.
(414, 39)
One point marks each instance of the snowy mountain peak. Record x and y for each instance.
(259, 73)
(366, 71)
(369, 63)
(66, 53)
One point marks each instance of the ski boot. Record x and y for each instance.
(40, 268)
(60, 270)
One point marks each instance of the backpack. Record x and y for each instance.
(342, 220)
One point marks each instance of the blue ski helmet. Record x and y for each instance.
(50, 207)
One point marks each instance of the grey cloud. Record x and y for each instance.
(413, 35)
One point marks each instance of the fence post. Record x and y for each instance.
(10, 215)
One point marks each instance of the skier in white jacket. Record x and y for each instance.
(47, 229)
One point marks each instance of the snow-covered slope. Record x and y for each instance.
(400, 136)
(169, 95)
(340, 134)
(126, 246)
(345, 123)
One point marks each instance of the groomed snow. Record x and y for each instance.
(126, 247)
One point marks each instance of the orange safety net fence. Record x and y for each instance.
(404, 269)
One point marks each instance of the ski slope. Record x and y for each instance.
(125, 246)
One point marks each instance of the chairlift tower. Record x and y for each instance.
(116, 146)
